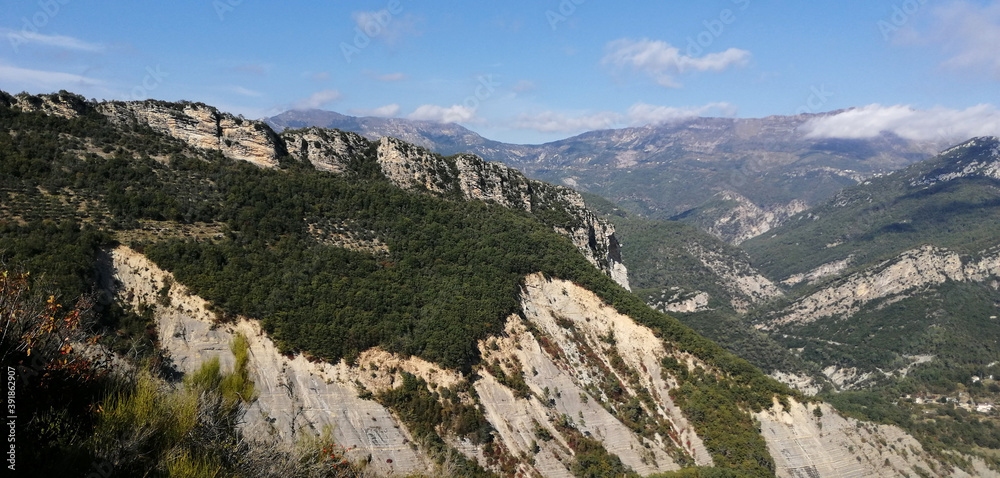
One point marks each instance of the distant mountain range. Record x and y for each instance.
(735, 178)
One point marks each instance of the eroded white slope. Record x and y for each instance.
(568, 347)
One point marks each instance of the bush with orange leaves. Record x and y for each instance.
(56, 385)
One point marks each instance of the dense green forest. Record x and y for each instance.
(450, 276)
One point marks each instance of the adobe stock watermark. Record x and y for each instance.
(901, 14)
(373, 26)
(223, 7)
(714, 29)
(11, 419)
(47, 10)
(484, 91)
(153, 79)
(563, 11)
(819, 96)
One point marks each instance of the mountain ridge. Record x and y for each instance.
(353, 259)
(676, 169)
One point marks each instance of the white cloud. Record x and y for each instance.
(387, 111)
(662, 61)
(317, 100)
(440, 114)
(639, 114)
(938, 124)
(555, 122)
(385, 26)
(246, 91)
(967, 33)
(23, 37)
(44, 80)
(642, 113)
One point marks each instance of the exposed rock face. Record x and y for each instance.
(891, 280)
(566, 344)
(66, 105)
(411, 167)
(202, 126)
(806, 445)
(745, 220)
(744, 283)
(815, 275)
(295, 394)
(987, 165)
(327, 150)
(676, 300)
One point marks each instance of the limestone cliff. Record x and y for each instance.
(890, 280)
(745, 284)
(326, 149)
(813, 440)
(66, 105)
(412, 167)
(734, 218)
(202, 126)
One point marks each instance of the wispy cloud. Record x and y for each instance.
(938, 124)
(642, 114)
(40, 79)
(663, 61)
(392, 77)
(968, 33)
(22, 37)
(441, 114)
(385, 26)
(556, 122)
(317, 100)
(245, 91)
(255, 69)
(639, 114)
(387, 111)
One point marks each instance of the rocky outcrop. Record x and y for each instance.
(327, 150)
(66, 105)
(746, 286)
(412, 167)
(744, 220)
(819, 273)
(676, 299)
(986, 164)
(813, 440)
(202, 126)
(890, 280)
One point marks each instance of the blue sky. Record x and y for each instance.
(528, 72)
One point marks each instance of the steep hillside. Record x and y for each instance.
(894, 294)
(374, 308)
(736, 178)
(948, 201)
